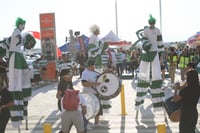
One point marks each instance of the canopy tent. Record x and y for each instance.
(65, 47)
(194, 40)
(114, 41)
(110, 37)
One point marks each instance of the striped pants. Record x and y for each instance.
(150, 77)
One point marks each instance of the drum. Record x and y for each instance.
(110, 86)
(29, 41)
(93, 105)
(173, 109)
(198, 68)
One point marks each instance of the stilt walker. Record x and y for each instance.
(149, 76)
(19, 74)
(95, 50)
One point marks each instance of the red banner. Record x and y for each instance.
(48, 35)
(47, 20)
(48, 43)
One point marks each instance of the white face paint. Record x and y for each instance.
(21, 27)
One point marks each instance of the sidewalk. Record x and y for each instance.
(43, 109)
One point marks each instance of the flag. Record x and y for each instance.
(35, 34)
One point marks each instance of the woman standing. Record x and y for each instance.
(6, 101)
(188, 97)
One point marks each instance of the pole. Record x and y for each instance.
(47, 128)
(161, 128)
(116, 18)
(123, 107)
(160, 5)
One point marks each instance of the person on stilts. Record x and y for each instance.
(149, 77)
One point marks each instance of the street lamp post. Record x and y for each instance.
(116, 18)
(160, 5)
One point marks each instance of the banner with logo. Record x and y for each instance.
(48, 35)
(48, 43)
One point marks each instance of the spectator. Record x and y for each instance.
(65, 82)
(184, 59)
(81, 59)
(188, 98)
(172, 59)
(6, 101)
(64, 65)
(68, 118)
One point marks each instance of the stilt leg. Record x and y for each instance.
(165, 115)
(19, 131)
(136, 115)
(26, 123)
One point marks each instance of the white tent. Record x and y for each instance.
(110, 37)
(114, 41)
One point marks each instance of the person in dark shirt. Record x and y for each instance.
(65, 82)
(188, 98)
(6, 101)
(81, 59)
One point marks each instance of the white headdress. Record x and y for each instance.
(94, 28)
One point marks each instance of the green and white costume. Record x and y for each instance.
(19, 79)
(150, 72)
(95, 50)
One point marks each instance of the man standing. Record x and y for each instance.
(150, 72)
(81, 59)
(72, 45)
(64, 65)
(88, 81)
(172, 59)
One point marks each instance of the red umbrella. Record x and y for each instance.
(194, 40)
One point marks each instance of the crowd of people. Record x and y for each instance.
(125, 61)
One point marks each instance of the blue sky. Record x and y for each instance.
(180, 18)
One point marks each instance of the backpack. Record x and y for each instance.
(71, 100)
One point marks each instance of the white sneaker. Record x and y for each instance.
(89, 127)
(99, 125)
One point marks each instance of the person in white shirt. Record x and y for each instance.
(113, 57)
(88, 81)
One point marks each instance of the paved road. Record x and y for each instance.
(43, 109)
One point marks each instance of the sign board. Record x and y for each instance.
(48, 35)
(48, 43)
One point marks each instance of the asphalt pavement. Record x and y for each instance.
(42, 109)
